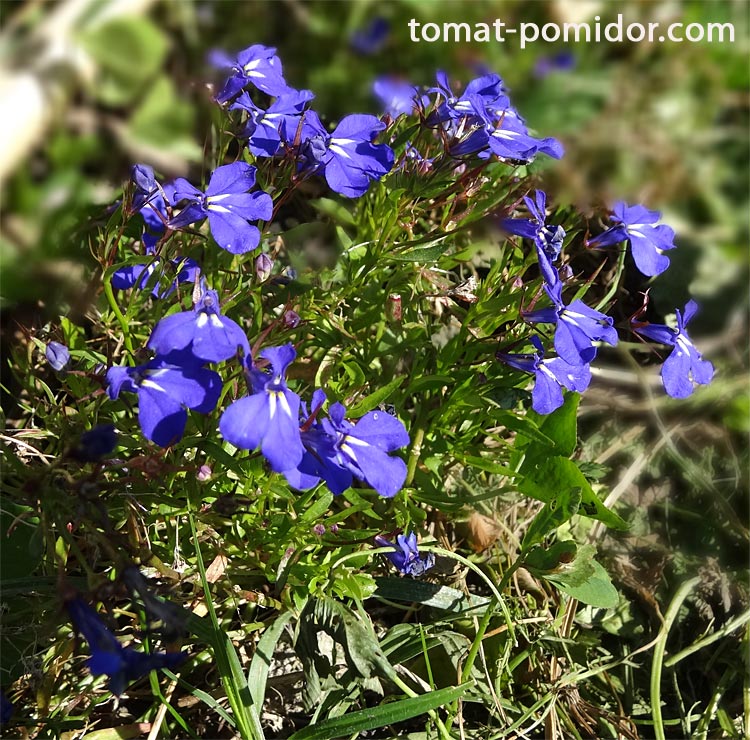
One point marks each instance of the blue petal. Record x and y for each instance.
(547, 394)
(217, 337)
(162, 418)
(675, 374)
(282, 445)
(245, 422)
(173, 332)
(233, 233)
(381, 430)
(238, 177)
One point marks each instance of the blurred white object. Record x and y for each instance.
(30, 98)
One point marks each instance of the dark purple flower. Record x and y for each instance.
(95, 443)
(547, 238)
(228, 206)
(347, 158)
(6, 709)
(204, 332)
(563, 61)
(372, 38)
(684, 366)
(108, 656)
(166, 386)
(406, 555)
(58, 356)
(551, 376)
(269, 418)
(648, 240)
(170, 619)
(257, 65)
(577, 326)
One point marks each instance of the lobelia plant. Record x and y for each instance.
(234, 442)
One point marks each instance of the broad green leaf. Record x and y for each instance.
(552, 476)
(381, 716)
(596, 589)
(554, 513)
(543, 560)
(561, 426)
(427, 594)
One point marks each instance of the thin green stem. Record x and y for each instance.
(661, 644)
(116, 311)
(727, 629)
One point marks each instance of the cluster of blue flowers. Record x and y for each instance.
(579, 328)
(272, 417)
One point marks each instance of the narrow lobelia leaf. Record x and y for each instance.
(380, 716)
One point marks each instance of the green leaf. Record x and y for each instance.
(129, 51)
(261, 662)
(380, 716)
(427, 594)
(335, 210)
(543, 560)
(554, 513)
(368, 403)
(596, 589)
(431, 253)
(561, 426)
(555, 475)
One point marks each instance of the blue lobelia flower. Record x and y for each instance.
(406, 555)
(269, 418)
(648, 240)
(108, 656)
(684, 366)
(484, 96)
(397, 96)
(508, 138)
(227, 204)
(347, 157)
(267, 130)
(577, 325)
(319, 459)
(257, 65)
(551, 376)
(58, 356)
(547, 238)
(166, 386)
(204, 332)
(372, 38)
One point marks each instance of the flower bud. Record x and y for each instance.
(58, 356)
(393, 311)
(263, 267)
(291, 319)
